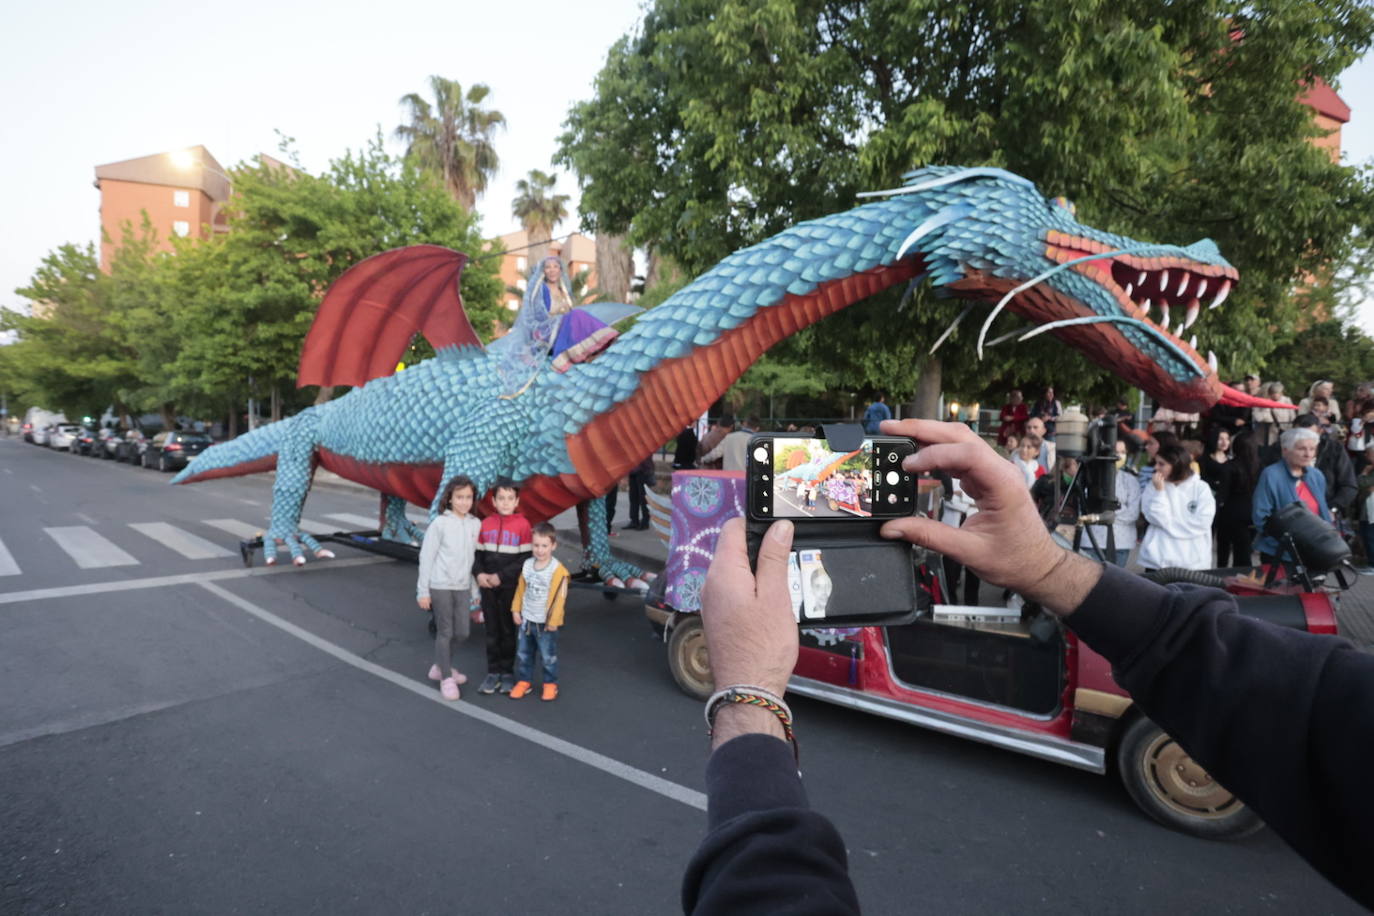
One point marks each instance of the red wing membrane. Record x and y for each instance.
(371, 313)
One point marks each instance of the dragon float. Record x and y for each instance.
(567, 437)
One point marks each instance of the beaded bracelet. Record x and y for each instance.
(752, 696)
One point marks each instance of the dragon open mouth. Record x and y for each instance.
(1167, 293)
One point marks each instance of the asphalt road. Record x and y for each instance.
(180, 734)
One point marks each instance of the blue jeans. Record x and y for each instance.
(532, 638)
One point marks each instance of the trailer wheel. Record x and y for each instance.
(1175, 790)
(687, 658)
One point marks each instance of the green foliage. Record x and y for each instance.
(1330, 350)
(717, 124)
(538, 208)
(193, 328)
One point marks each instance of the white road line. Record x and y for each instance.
(88, 549)
(314, 527)
(183, 542)
(645, 780)
(7, 565)
(362, 521)
(125, 585)
(235, 527)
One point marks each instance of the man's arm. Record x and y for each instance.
(765, 849)
(1283, 718)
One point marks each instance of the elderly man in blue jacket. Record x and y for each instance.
(1293, 478)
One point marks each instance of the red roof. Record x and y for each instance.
(1324, 99)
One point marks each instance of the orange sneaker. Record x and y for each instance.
(550, 692)
(520, 689)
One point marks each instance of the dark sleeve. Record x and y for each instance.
(1282, 718)
(1344, 490)
(765, 850)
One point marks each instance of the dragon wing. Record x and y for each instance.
(372, 312)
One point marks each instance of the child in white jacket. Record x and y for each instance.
(445, 581)
(1179, 506)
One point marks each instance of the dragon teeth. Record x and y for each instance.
(1164, 311)
(1164, 282)
(1182, 285)
(1194, 309)
(1140, 280)
(1221, 294)
(1145, 307)
(1202, 287)
(1192, 341)
(1212, 360)
(1129, 289)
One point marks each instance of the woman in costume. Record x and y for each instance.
(549, 327)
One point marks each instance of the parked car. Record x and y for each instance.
(83, 443)
(172, 451)
(41, 435)
(63, 436)
(1012, 679)
(130, 446)
(27, 431)
(106, 440)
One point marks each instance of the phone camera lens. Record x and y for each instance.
(892, 457)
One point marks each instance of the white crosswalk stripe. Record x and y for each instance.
(235, 527)
(88, 549)
(314, 527)
(183, 542)
(362, 522)
(7, 565)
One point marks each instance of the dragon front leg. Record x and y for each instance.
(395, 526)
(295, 468)
(614, 572)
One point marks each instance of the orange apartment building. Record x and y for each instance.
(181, 191)
(1330, 112)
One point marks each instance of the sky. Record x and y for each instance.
(85, 83)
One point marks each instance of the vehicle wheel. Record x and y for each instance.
(162, 463)
(687, 658)
(1175, 790)
(834, 507)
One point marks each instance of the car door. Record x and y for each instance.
(153, 452)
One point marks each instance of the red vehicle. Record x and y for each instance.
(1019, 681)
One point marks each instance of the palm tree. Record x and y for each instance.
(453, 139)
(539, 210)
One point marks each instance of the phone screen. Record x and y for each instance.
(800, 478)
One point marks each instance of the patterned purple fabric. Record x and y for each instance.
(702, 502)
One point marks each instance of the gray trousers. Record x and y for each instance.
(451, 618)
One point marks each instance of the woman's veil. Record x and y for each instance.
(524, 350)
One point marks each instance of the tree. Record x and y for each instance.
(453, 138)
(539, 210)
(614, 266)
(1330, 350)
(717, 124)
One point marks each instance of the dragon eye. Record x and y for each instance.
(1064, 204)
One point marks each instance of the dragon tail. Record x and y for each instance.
(251, 453)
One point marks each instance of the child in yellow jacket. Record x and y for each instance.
(540, 598)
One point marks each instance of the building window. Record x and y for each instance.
(181, 198)
(583, 268)
(513, 304)
(520, 283)
(521, 263)
(181, 227)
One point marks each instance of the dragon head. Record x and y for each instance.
(989, 235)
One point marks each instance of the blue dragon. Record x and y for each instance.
(982, 234)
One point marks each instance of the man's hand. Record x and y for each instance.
(750, 632)
(518, 619)
(751, 636)
(1005, 543)
(423, 602)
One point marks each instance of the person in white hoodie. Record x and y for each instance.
(1179, 506)
(445, 582)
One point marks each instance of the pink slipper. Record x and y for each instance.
(459, 677)
(435, 674)
(449, 689)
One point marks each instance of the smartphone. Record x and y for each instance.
(799, 477)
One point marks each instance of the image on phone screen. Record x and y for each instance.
(794, 477)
